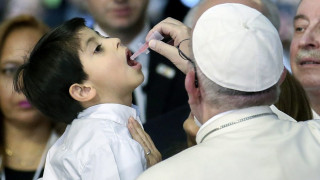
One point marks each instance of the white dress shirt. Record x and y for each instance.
(143, 59)
(98, 146)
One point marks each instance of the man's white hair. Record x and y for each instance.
(227, 99)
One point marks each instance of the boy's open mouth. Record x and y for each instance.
(130, 61)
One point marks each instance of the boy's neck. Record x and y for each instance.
(124, 100)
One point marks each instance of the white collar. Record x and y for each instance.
(227, 119)
(115, 112)
(214, 118)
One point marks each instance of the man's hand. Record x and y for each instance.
(178, 32)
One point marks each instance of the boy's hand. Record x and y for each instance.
(152, 154)
(177, 31)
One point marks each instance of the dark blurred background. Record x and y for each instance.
(54, 12)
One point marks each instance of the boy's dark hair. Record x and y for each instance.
(53, 66)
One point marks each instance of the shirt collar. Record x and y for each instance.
(115, 112)
(230, 118)
(214, 118)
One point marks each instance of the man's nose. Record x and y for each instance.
(310, 39)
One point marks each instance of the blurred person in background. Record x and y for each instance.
(18, 7)
(305, 51)
(293, 100)
(51, 12)
(26, 134)
(287, 10)
(2, 8)
(156, 10)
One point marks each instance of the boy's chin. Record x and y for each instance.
(140, 81)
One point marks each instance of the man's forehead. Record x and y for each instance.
(309, 9)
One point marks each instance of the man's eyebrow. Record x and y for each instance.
(300, 16)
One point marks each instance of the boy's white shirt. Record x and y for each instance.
(97, 145)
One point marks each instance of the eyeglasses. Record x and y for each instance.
(185, 57)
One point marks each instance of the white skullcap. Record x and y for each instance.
(238, 48)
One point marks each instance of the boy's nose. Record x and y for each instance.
(117, 41)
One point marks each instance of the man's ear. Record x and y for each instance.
(193, 92)
(82, 92)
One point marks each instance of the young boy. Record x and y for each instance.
(76, 76)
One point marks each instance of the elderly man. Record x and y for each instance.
(305, 51)
(293, 100)
(232, 79)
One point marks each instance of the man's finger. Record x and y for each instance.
(134, 131)
(170, 52)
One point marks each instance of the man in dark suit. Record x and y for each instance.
(162, 99)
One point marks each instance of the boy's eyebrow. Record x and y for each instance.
(97, 32)
(90, 40)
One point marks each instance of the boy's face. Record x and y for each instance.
(108, 65)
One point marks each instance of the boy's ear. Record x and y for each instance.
(82, 92)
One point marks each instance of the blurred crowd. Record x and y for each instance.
(54, 12)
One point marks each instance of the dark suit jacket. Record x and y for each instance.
(167, 107)
(163, 94)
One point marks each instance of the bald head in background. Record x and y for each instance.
(266, 7)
